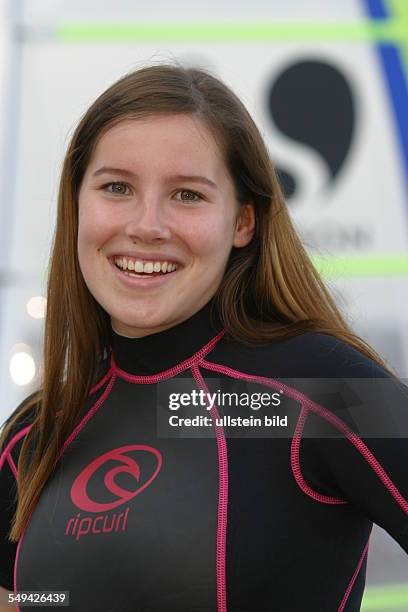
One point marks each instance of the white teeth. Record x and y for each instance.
(148, 267)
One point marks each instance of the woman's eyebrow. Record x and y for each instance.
(110, 170)
(177, 177)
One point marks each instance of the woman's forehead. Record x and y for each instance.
(163, 128)
(180, 144)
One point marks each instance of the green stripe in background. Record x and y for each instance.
(348, 266)
(390, 30)
(388, 598)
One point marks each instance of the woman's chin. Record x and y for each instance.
(139, 326)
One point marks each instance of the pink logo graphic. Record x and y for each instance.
(79, 494)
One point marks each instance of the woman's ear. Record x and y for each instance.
(245, 225)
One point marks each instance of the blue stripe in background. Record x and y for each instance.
(391, 58)
(393, 70)
(376, 9)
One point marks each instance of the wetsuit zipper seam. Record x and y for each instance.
(222, 495)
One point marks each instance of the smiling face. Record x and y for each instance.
(134, 204)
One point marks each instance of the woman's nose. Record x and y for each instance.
(148, 221)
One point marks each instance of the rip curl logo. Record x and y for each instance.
(79, 494)
(150, 458)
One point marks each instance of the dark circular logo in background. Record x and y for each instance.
(311, 102)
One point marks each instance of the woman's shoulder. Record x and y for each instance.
(322, 368)
(21, 418)
(310, 354)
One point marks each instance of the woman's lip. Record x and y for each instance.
(145, 258)
(147, 282)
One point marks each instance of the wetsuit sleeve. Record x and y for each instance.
(7, 510)
(358, 453)
(369, 474)
(9, 454)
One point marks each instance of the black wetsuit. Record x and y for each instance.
(141, 516)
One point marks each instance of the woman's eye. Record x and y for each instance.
(122, 189)
(191, 193)
(117, 188)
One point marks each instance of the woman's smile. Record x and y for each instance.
(145, 280)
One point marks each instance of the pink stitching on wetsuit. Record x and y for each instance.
(12, 465)
(12, 442)
(324, 413)
(152, 378)
(88, 415)
(353, 579)
(295, 464)
(98, 384)
(101, 382)
(222, 497)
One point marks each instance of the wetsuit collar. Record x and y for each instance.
(160, 351)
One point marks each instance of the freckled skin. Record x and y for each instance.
(151, 214)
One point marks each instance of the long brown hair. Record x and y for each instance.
(270, 289)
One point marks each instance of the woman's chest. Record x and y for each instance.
(132, 519)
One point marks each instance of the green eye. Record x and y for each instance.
(193, 193)
(118, 188)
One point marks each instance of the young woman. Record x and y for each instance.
(175, 269)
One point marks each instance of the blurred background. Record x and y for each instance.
(326, 83)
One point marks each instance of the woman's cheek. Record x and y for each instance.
(207, 237)
(95, 228)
